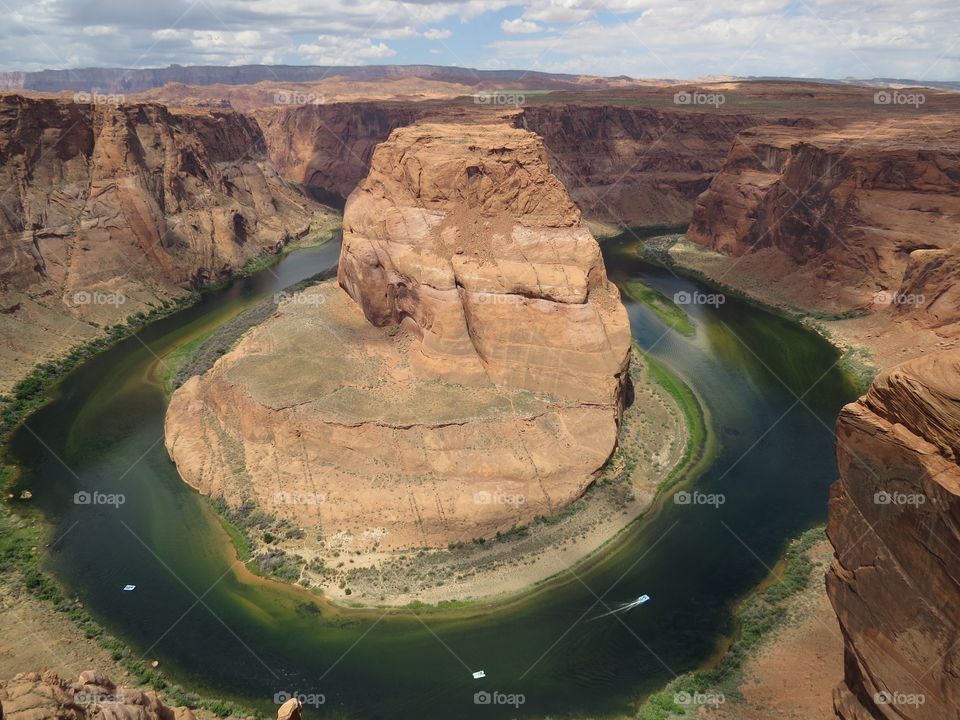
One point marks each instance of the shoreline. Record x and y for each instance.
(29, 594)
(530, 558)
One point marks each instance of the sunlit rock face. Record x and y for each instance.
(895, 525)
(466, 374)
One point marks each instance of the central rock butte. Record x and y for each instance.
(467, 375)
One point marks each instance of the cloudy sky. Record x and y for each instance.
(643, 38)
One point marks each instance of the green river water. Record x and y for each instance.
(217, 629)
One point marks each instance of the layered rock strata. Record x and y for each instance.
(865, 217)
(895, 526)
(468, 377)
(109, 209)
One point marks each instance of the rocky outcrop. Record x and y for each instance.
(32, 696)
(469, 379)
(463, 234)
(866, 215)
(895, 527)
(109, 209)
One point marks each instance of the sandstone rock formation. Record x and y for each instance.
(36, 696)
(471, 380)
(109, 209)
(860, 213)
(329, 146)
(895, 526)
(463, 234)
(290, 710)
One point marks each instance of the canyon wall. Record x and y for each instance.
(634, 165)
(858, 215)
(329, 146)
(109, 210)
(895, 526)
(621, 164)
(468, 377)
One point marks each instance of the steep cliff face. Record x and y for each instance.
(469, 379)
(30, 696)
(895, 526)
(329, 146)
(634, 165)
(629, 165)
(108, 209)
(861, 214)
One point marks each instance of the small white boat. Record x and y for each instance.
(624, 607)
(479, 674)
(129, 588)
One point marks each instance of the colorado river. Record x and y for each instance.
(772, 391)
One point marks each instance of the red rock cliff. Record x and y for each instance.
(109, 209)
(895, 525)
(856, 212)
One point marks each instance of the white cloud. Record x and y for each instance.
(519, 26)
(168, 34)
(653, 38)
(98, 30)
(338, 50)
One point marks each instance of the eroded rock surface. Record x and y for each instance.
(46, 696)
(467, 238)
(895, 526)
(107, 210)
(469, 379)
(865, 215)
